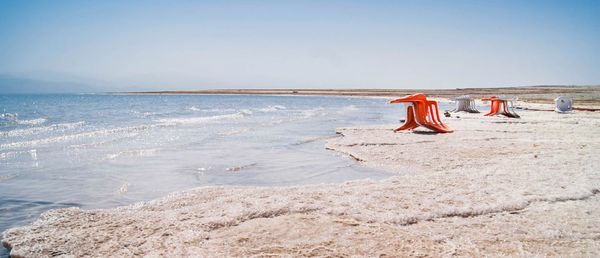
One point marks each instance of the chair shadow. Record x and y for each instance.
(426, 132)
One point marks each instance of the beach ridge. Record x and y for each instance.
(584, 96)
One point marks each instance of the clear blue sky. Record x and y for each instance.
(315, 44)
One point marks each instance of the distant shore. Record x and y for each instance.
(583, 96)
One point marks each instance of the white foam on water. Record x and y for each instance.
(9, 116)
(238, 168)
(37, 130)
(233, 132)
(313, 112)
(314, 139)
(36, 121)
(124, 188)
(7, 177)
(11, 154)
(133, 153)
(347, 109)
(271, 108)
(246, 112)
(218, 110)
(13, 118)
(144, 114)
(277, 122)
(202, 120)
(193, 108)
(103, 142)
(115, 131)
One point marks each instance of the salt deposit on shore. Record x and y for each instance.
(495, 187)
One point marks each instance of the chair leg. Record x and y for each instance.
(504, 109)
(493, 108)
(436, 114)
(410, 122)
(436, 123)
(511, 111)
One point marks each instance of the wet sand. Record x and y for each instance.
(495, 187)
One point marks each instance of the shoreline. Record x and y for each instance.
(496, 186)
(583, 96)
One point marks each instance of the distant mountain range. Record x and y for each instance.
(12, 84)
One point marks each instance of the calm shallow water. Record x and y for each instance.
(96, 151)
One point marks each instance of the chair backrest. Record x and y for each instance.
(563, 104)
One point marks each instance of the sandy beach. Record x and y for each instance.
(497, 186)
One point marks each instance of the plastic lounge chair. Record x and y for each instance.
(499, 105)
(465, 103)
(510, 109)
(426, 114)
(421, 112)
(563, 104)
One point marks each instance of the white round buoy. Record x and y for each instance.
(563, 104)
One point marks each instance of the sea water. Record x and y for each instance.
(98, 151)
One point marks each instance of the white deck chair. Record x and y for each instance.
(465, 103)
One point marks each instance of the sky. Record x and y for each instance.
(137, 45)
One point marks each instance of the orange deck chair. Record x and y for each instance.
(499, 106)
(421, 112)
